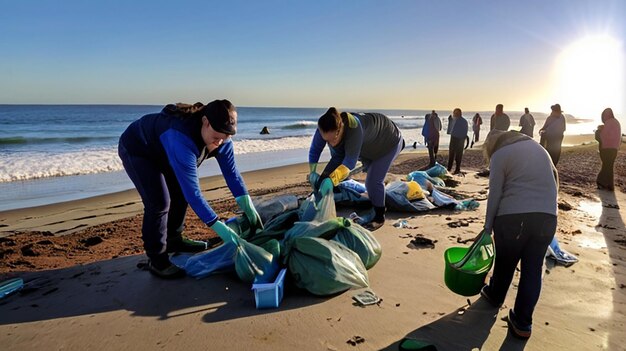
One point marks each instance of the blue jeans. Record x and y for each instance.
(521, 237)
(164, 204)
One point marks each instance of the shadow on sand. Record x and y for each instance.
(119, 285)
(463, 329)
(611, 225)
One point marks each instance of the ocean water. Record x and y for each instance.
(51, 153)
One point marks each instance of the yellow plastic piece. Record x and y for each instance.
(415, 191)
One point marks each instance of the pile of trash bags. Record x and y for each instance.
(420, 192)
(323, 253)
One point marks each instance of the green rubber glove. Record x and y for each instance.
(224, 232)
(313, 178)
(326, 187)
(312, 167)
(246, 205)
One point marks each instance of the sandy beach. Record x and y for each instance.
(84, 289)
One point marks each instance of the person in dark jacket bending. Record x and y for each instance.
(161, 153)
(370, 137)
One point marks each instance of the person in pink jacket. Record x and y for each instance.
(609, 135)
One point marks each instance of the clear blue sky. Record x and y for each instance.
(369, 54)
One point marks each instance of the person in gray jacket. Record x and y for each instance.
(522, 213)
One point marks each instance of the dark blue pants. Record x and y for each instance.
(455, 153)
(164, 204)
(521, 237)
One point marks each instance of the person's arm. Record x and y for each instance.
(226, 160)
(342, 162)
(182, 156)
(317, 146)
(496, 185)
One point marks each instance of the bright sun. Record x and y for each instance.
(590, 76)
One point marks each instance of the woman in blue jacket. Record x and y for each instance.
(370, 137)
(161, 153)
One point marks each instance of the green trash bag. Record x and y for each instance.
(258, 264)
(275, 228)
(361, 241)
(325, 267)
(326, 229)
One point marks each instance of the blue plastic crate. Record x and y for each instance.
(269, 295)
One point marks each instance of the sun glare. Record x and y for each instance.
(590, 76)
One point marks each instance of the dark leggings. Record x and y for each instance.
(605, 177)
(433, 149)
(553, 146)
(521, 237)
(164, 204)
(455, 153)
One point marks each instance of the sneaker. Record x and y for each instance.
(182, 244)
(517, 330)
(484, 292)
(163, 268)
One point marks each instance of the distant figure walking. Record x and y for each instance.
(609, 135)
(527, 122)
(458, 134)
(500, 120)
(477, 121)
(432, 139)
(552, 133)
(426, 126)
(522, 213)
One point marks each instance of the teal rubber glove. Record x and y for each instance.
(246, 205)
(326, 187)
(313, 178)
(224, 232)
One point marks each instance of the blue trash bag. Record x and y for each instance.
(396, 199)
(200, 265)
(437, 170)
(421, 177)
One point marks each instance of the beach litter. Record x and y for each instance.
(355, 340)
(559, 255)
(10, 286)
(366, 298)
(421, 242)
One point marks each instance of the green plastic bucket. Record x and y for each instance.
(467, 267)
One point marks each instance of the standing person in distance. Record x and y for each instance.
(477, 121)
(552, 132)
(522, 213)
(499, 120)
(161, 153)
(458, 134)
(527, 122)
(372, 138)
(609, 137)
(432, 140)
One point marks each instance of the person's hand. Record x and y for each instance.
(326, 187)
(246, 205)
(313, 179)
(224, 232)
